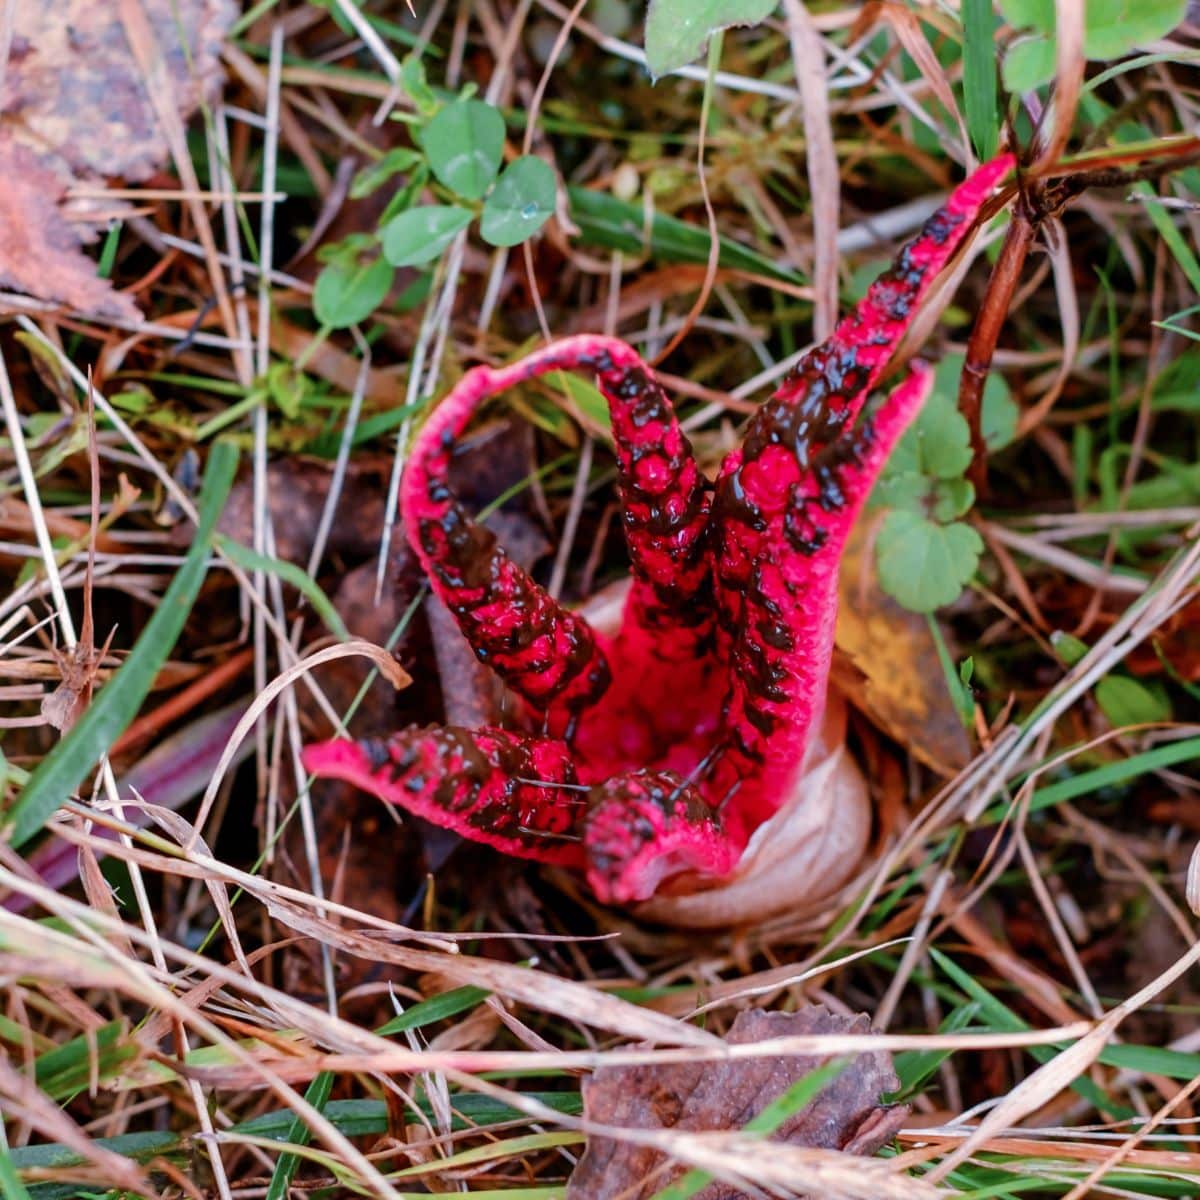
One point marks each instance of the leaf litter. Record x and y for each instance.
(74, 111)
(846, 1114)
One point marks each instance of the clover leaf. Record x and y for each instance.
(464, 144)
(520, 204)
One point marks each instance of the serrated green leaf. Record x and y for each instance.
(924, 565)
(907, 490)
(347, 293)
(939, 441)
(520, 204)
(464, 144)
(951, 498)
(62, 770)
(678, 30)
(1126, 701)
(421, 234)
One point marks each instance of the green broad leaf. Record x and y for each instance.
(1112, 29)
(938, 443)
(1028, 63)
(678, 30)
(520, 204)
(421, 234)
(1032, 14)
(1126, 701)
(347, 293)
(464, 144)
(979, 76)
(907, 490)
(999, 412)
(614, 224)
(922, 564)
(1068, 647)
(60, 773)
(376, 174)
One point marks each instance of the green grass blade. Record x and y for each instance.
(979, 76)
(436, 1008)
(604, 220)
(766, 1122)
(1171, 236)
(60, 773)
(317, 1094)
(11, 1186)
(251, 560)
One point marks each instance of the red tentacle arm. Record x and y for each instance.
(779, 666)
(513, 792)
(785, 502)
(545, 653)
(645, 827)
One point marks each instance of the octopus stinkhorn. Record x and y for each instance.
(680, 751)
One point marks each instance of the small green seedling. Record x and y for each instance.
(457, 154)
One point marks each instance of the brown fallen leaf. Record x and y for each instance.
(73, 94)
(74, 110)
(720, 1096)
(39, 248)
(888, 665)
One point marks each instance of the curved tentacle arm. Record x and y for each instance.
(827, 388)
(779, 666)
(510, 791)
(544, 652)
(643, 827)
(786, 500)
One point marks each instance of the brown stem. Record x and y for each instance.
(984, 335)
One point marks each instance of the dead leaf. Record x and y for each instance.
(73, 94)
(74, 109)
(723, 1096)
(888, 666)
(39, 249)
